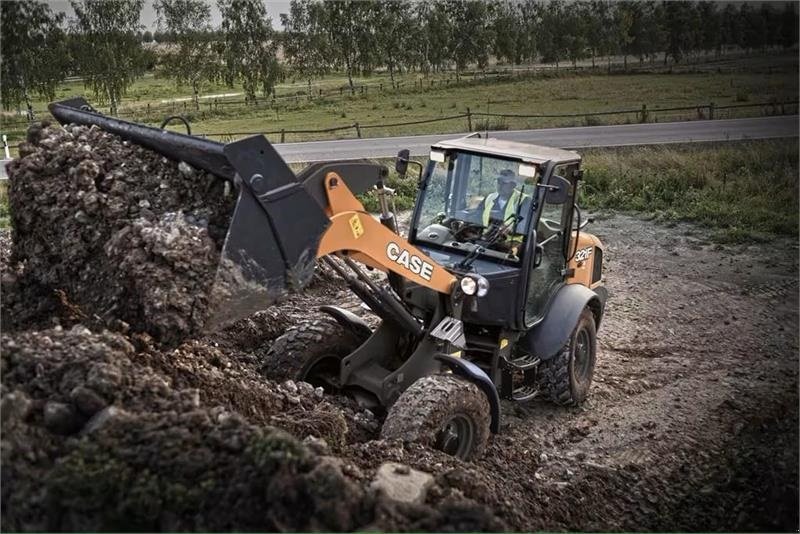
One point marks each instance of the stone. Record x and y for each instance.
(87, 400)
(15, 405)
(61, 418)
(402, 483)
(102, 418)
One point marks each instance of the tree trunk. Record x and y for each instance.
(625, 62)
(196, 91)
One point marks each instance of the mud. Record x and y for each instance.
(111, 234)
(691, 423)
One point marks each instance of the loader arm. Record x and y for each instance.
(353, 230)
(279, 226)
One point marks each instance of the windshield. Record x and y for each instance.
(480, 204)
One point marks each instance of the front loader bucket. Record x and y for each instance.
(272, 241)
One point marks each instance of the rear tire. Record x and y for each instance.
(444, 412)
(566, 378)
(310, 351)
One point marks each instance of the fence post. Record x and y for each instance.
(148, 111)
(711, 111)
(5, 147)
(469, 120)
(283, 135)
(358, 129)
(644, 113)
(216, 105)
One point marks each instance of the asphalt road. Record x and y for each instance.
(578, 137)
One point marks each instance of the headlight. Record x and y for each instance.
(483, 286)
(468, 285)
(474, 284)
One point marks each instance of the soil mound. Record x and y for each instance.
(113, 233)
(106, 432)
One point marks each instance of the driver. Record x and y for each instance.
(506, 202)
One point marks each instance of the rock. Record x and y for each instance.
(61, 418)
(87, 400)
(15, 405)
(402, 483)
(102, 418)
(317, 445)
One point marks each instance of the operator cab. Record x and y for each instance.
(501, 210)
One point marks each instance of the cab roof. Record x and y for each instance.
(510, 149)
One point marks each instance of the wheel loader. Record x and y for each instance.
(495, 293)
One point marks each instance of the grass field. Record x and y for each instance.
(772, 79)
(741, 190)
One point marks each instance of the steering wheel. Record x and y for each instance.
(463, 230)
(551, 225)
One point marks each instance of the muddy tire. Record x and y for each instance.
(565, 379)
(309, 351)
(444, 412)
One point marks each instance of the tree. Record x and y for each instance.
(526, 37)
(249, 48)
(147, 36)
(351, 35)
(506, 26)
(35, 57)
(193, 59)
(552, 32)
(395, 24)
(789, 26)
(471, 38)
(679, 24)
(306, 43)
(435, 31)
(109, 56)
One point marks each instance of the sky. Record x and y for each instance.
(274, 9)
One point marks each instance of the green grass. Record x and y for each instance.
(741, 190)
(550, 93)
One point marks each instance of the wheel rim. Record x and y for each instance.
(457, 436)
(582, 357)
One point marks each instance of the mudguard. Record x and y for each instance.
(548, 337)
(475, 374)
(348, 320)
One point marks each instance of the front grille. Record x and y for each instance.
(597, 270)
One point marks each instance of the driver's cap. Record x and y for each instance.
(507, 176)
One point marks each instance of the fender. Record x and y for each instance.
(348, 320)
(546, 338)
(475, 374)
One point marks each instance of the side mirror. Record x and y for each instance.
(401, 163)
(557, 190)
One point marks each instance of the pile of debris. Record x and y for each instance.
(114, 233)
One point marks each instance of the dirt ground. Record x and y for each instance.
(691, 423)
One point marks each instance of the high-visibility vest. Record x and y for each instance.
(512, 204)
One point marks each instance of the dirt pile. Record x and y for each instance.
(102, 432)
(113, 233)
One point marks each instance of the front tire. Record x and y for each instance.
(444, 412)
(566, 378)
(311, 352)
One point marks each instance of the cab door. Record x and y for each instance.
(549, 270)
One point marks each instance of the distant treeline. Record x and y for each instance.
(105, 44)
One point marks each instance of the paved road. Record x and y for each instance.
(581, 137)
